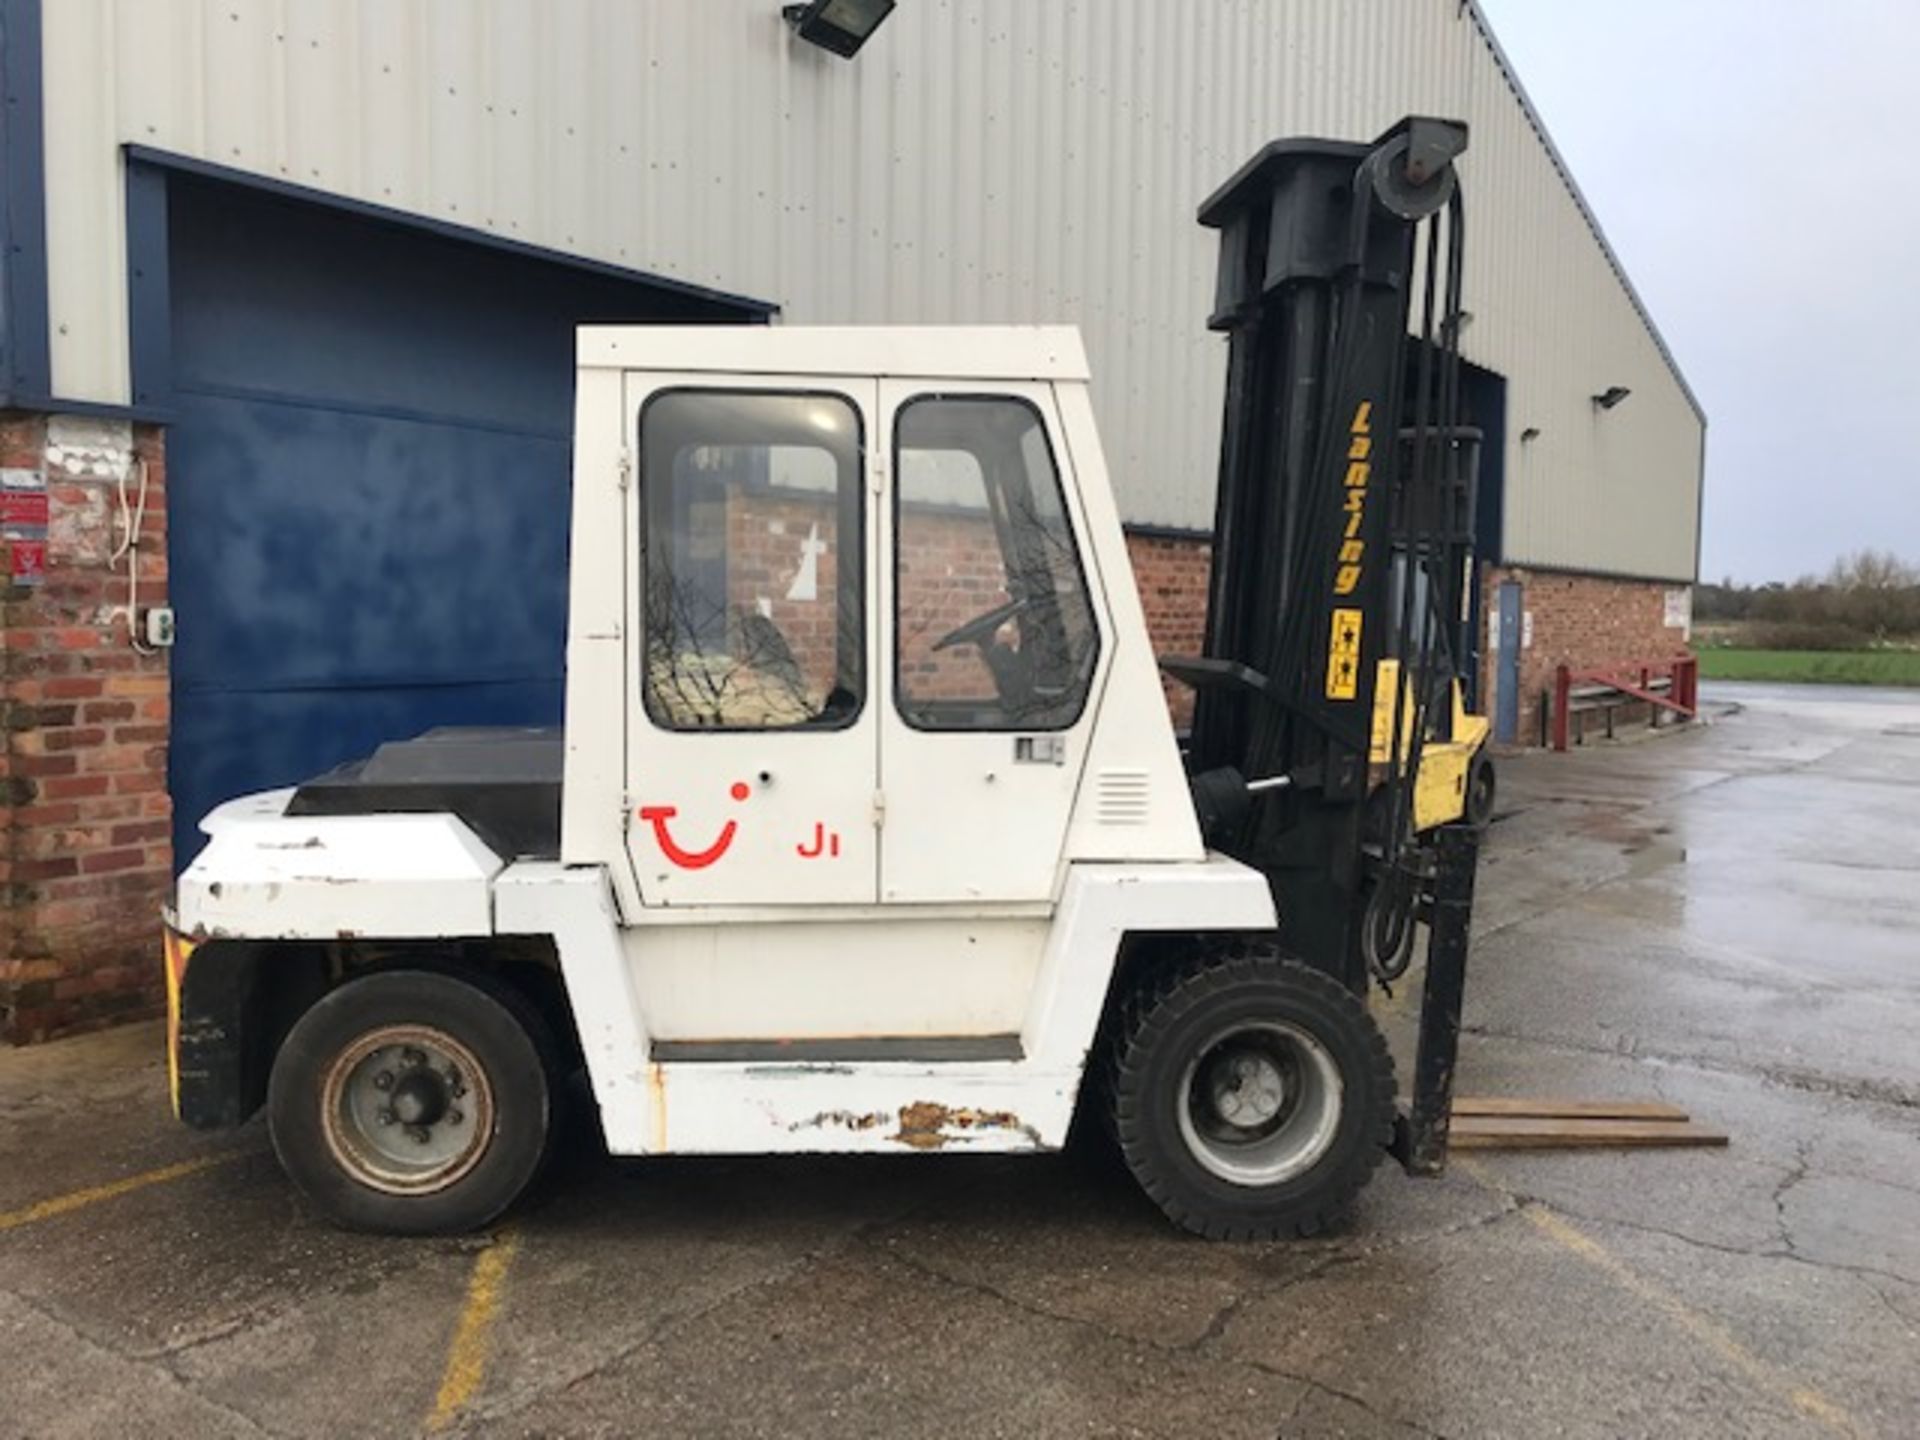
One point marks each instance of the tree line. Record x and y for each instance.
(1871, 597)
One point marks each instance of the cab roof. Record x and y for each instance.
(955, 352)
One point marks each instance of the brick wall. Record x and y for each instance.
(1171, 571)
(769, 533)
(85, 862)
(950, 571)
(1580, 620)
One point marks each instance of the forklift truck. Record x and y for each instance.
(867, 830)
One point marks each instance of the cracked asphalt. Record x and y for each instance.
(1726, 919)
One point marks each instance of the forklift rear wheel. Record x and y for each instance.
(1252, 1096)
(1480, 789)
(413, 1102)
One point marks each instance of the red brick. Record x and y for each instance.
(102, 862)
(51, 867)
(41, 765)
(28, 816)
(140, 832)
(70, 787)
(85, 738)
(146, 683)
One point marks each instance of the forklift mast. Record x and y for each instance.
(1337, 534)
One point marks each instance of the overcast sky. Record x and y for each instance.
(1756, 164)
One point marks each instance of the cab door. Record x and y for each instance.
(752, 735)
(995, 643)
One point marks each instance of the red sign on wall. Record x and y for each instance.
(29, 561)
(23, 510)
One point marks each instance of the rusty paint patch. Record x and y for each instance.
(657, 1091)
(847, 1119)
(927, 1125)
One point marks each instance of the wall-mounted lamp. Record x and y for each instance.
(1532, 432)
(840, 26)
(1611, 396)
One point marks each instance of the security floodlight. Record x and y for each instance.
(841, 26)
(1611, 396)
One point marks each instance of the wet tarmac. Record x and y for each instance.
(1727, 919)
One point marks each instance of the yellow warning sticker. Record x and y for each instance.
(1343, 656)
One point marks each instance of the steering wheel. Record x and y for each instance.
(979, 630)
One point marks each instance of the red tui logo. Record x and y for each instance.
(658, 816)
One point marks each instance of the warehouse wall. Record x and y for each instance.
(982, 160)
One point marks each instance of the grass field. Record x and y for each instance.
(1818, 667)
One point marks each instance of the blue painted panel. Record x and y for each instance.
(1506, 720)
(367, 482)
(1484, 394)
(275, 296)
(242, 741)
(334, 548)
(25, 365)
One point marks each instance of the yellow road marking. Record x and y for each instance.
(112, 1190)
(467, 1357)
(1803, 1398)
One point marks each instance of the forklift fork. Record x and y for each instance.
(1420, 1134)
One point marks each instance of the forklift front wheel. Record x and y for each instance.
(1252, 1096)
(412, 1102)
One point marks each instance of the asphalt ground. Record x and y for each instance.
(1726, 919)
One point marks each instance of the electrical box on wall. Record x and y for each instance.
(160, 626)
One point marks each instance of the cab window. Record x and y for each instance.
(994, 625)
(753, 584)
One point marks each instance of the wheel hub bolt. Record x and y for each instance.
(419, 1133)
(454, 1117)
(385, 1117)
(383, 1081)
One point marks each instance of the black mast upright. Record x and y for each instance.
(1318, 264)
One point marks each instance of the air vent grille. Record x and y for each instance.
(1123, 797)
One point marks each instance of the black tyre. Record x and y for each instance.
(413, 1102)
(1480, 789)
(1252, 1096)
(1386, 932)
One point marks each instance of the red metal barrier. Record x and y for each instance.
(1633, 679)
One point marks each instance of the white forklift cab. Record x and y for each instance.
(867, 831)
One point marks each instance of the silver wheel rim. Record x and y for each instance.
(407, 1110)
(1259, 1104)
